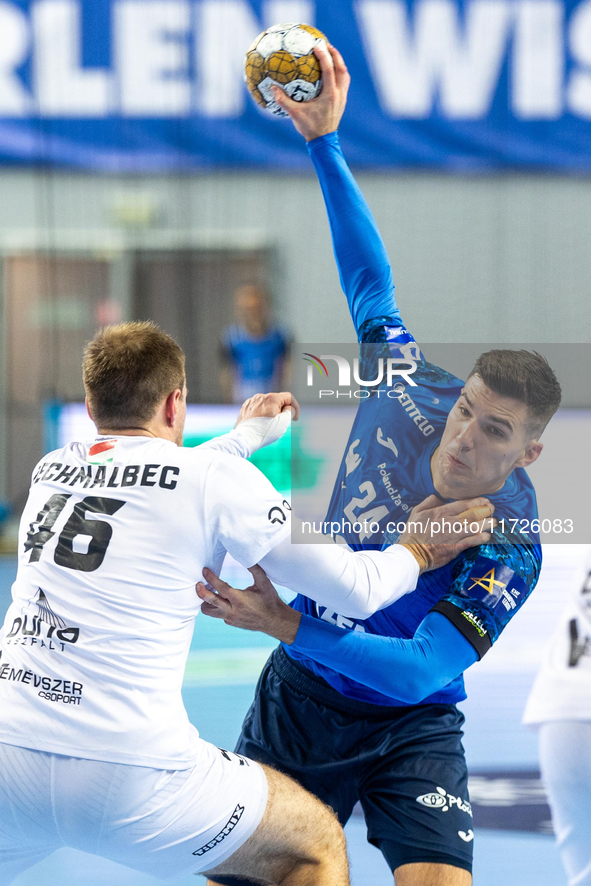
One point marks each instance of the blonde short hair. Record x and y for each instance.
(128, 369)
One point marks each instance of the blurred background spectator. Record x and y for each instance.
(254, 350)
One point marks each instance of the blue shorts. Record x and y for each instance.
(406, 766)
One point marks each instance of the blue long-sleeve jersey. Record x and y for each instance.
(458, 611)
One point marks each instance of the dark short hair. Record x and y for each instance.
(127, 370)
(525, 376)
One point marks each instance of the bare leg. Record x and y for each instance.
(427, 874)
(299, 842)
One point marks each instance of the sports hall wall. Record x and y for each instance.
(480, 258)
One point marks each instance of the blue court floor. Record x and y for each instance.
(219, 683)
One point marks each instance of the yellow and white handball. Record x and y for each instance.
(283, 56)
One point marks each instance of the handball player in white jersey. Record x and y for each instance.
(560, 706)
(96, 749)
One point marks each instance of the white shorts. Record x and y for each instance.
(565, 761)
(161, 822)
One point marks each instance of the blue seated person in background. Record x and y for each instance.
(254, 350)
(366, 710)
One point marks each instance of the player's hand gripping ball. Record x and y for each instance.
(283, 56)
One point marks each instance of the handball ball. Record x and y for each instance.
(283, 56)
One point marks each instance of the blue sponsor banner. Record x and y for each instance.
(156, 85)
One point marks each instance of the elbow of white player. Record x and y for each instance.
(357, 608)
(389, 575)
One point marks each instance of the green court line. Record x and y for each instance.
(225, 667)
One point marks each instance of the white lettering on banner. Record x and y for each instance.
(578, 93)
(152, 52)
(14, 47)
(62, 87)
(538, 59)
(225, 28)
(462, 68)
(174, 57)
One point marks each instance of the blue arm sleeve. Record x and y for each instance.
(364, 269)
(410, 670)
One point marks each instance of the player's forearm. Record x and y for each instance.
(356, 584)
(408, 670)
(364, 269)
(251, 434)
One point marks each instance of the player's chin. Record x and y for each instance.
(460, 476)
(462, 489)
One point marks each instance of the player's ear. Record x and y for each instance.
(532, 452)
(171, 406)
(87, 404)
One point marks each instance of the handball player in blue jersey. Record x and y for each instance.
(366, 710)
(254, 350)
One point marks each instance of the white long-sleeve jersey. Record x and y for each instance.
(114, 536)
(562, 689)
